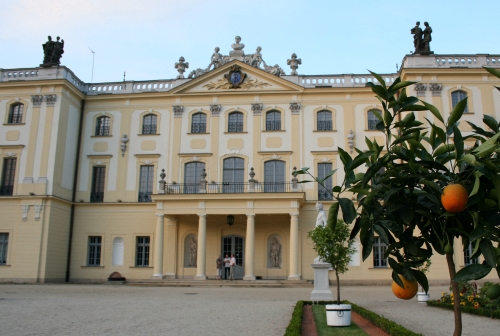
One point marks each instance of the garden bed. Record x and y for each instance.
(475, 311)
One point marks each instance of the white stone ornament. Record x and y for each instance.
(38, 209)
(25, 209)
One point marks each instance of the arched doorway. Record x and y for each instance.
(234, 244)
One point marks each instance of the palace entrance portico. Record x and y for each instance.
(258, 219)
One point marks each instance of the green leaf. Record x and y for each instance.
(472, 272)
(488, 252)
(422, 279)
(444, 149)
(496, 182)
(367, 239)
(348, 210)
(402, 139)
(397, 279)
(333, 213)
(382, 234)
(457, 112)
(399, 85)
(458, 141)
(355, 229)
(413, 108)
(345, 158)
(337, 189)
(470, 159)
(494, 72)
(360, 159)
(379, 78)
(477, 182)
(439, 131)
(387, 117)
(301, 171)
(491, 122)
(433, 110)
(433, 185)
(380, 91)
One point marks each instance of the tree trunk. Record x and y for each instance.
(338, 286)
(456, 296)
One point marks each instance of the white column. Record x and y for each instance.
(202, 247)
(294, 247)
(170, 248)
(158, 265)
(250, 248)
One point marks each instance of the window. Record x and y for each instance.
(16, 114)
(324, 121)
(372, 120)
(148, 124)
(467, 255)
(8, 174)
(4, 244)
(323, 170)
(273, 121)
(102, 126)
(192, 177)
(457, 96)
(274, 176)
(379, 249)
(199, 123)
(146, 183)
(98, 177)
(94, 256)
(235, 122)
(142, 257)
(232, 179)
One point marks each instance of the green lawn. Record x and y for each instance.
(319, 312)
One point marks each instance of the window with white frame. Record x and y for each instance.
(457, 96)
(323, 170)
(468, 260)
(8, 177)
(324, 122)
(98, 178)
(273, 121)
(16, 114)
(199, 123)
(142, 252)
(372, 120)
(379, 249)
(94, 254)
(146, 183)
(149, 124)
(235, 123)
(274, 176)
(102, 126)
(4, 244)
(192, 177)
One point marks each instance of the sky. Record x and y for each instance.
(144, 38)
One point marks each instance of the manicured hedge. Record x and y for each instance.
(393, 329)
(295, 326)
(475, 311)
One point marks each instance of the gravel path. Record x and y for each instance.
(124, 310)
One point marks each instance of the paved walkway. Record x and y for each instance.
(124, 310)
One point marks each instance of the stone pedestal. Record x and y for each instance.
(321, 290)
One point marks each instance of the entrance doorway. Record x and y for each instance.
(235, 245)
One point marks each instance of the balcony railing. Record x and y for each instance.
(273, 125)
(97, 196)
(228, 188)
(145, 197)
(324, 125)
(235, 127)
(6, 190)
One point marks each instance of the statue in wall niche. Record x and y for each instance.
(237, 45)
(52, 52)
(275, 253)
(321, 220)
(193, 252)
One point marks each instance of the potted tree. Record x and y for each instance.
(423, 296)
(334, 246)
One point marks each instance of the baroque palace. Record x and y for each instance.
(156, 179)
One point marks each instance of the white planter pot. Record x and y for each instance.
(423, 297)
(338, 315)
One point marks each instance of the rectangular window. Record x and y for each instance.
(4, 244)
(8, 175)
(94, 256)
(379, 249)
(323, 170)
(142, 258)
(467, 255)
(146, 183)
(98, 177)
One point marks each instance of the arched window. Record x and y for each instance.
(325, 121)
(273, 121)
(235, 122)
(456, 97)
(372, 120)
(192, 177)
(274, 176)
(16, 114)
(232, 179)
(102, 126)
(199, 123)
(149, 124)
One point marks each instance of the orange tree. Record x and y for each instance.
(399, 195)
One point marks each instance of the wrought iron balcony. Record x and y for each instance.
(97, 196)
(6, 190)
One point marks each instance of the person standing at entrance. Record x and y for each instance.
(219, 268)
(227, 261)
(232, 264)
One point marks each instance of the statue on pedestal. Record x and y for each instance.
(237, 45)
(422, 39)
(181, 66)
(321, 220)
(217, 59)
(52, 52)
(427, 38)
(294, 63)
(275, 253)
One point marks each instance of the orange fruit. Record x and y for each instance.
(407, 293)
(454, 198)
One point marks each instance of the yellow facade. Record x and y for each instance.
(53, 211)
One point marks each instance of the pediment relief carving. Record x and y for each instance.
(223, 84)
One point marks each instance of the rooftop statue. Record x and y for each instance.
(181, 66)
(294, 63)
(52, 52)
(237, 45)
(422, 39)
(256, 59)
(217, 59)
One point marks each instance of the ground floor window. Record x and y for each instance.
(468, 254)
(379, 249)
(94, 256)
(4, 243)
(142, 255)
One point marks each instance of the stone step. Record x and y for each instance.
(221, 283)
